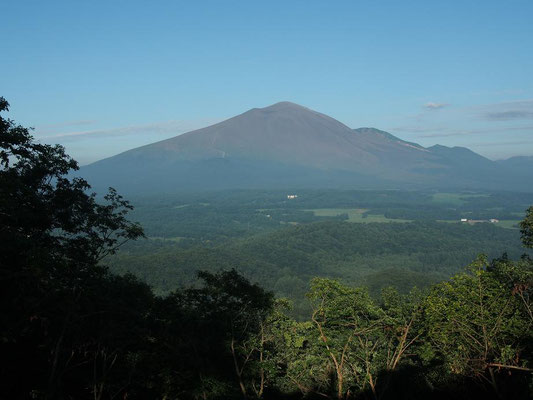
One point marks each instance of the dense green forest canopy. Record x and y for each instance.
(70, 329)
(375, 255)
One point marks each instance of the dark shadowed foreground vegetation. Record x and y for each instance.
(72, 330)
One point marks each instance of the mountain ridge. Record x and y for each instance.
(291, 145)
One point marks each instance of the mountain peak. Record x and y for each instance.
(288, 144)
(285, 105)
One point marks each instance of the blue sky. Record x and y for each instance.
(101, 77)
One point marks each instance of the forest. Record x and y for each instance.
(71, 328)
(350, 235)
(376, 255)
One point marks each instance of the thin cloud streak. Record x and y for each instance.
(510, 115)
(447, 132)
(158, 128)
(509, 111)
(518, 142)
(435, 106)
(478, 131)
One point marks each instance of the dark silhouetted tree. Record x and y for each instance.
(54, 294)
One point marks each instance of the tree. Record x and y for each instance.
(345, 320)
(53, 236)
(475, 324)
(363, 342)
(212, 334)
(526, 228)
(238, 307)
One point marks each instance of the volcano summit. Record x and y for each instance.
(287, 145)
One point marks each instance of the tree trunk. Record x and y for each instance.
(262, 370)
(237, 370)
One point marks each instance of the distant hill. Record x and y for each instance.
(287, 145)
(517, 163)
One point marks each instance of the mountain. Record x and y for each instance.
(518, 163)
(287, 145)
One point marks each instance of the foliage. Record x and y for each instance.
(377, 255)
(526, 228)
(474, 322)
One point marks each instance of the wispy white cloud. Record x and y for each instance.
(435, 106)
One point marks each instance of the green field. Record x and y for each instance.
(355, 215)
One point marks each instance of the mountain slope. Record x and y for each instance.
(284, 132)
(287, 145)
(523, 163)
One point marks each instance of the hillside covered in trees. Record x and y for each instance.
(71, 329)
(376, 255)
